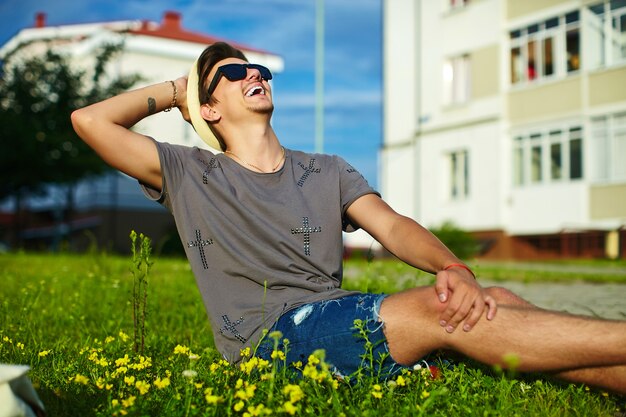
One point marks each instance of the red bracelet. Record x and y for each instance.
(460, 266)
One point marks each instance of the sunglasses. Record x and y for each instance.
(236, 72)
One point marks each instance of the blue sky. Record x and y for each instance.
(353, 58)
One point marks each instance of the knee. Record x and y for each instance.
(417, 302)
(504, 296)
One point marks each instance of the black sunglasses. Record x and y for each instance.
(236, 72)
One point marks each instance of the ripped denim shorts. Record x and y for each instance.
(330, 325)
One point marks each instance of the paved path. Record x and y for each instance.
(604, 300)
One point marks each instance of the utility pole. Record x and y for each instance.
(319, 76)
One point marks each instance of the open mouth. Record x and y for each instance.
(256, 90)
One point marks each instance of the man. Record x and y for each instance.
(262, 225)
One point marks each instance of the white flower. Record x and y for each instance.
(189, 373)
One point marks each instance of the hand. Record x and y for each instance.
(181, 99)
(465, 297)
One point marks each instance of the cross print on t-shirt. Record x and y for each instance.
(306, 230)
(307, 171)
(208, 168)
(200, 244)
(232, 328)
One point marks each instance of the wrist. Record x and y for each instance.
(462, 266)
(174, 101)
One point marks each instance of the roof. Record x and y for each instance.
(171, 28)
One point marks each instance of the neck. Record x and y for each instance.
(255, 147)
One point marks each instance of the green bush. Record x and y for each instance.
(460, 242)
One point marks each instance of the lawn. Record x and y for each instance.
(70, 318)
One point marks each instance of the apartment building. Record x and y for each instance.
(508, 118)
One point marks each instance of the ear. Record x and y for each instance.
(209, 113)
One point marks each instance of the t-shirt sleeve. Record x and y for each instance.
(171, 158)
(353, 185)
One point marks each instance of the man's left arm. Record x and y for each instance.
(409, 241)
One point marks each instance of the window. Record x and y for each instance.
(608, 147)
(459, 175)
(535, 158)
(456, 80)
(518, 161)
(556, 156)
(572, 41)
(548, 156)
(606, 26)
(575, 153)
(545, 49)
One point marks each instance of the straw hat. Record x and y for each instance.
(193, 105)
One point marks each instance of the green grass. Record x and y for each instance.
(70, 318)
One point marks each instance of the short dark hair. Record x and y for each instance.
(207, 60)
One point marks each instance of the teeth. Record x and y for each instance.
(253, 90)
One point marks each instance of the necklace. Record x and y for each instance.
(282, 156)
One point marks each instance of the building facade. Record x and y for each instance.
(508, 118)
(109, 207)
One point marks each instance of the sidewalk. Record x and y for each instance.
(602, 300)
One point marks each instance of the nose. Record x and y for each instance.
(253, 74)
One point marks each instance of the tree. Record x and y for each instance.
(38, 146)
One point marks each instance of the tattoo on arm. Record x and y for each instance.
(151, 105)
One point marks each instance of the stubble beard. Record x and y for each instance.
(262, 108)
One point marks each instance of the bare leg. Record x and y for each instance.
(575, 348)
(609, 377)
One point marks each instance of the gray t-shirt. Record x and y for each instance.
(258, 244)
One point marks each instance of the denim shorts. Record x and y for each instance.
(330, 325)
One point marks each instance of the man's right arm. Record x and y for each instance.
(105, 127)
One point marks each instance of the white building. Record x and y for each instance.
(508, 118)
(113, 205)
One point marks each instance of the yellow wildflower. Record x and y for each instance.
(129, 380)
(123, 336)
(247, 392)
(142, 386)
(162, 383)
(425, 394)
(278, 354)
(108, 339)
(115, 402)
(256, 411)
(20, 345)
(376, 391)
(81, 379)
(289, 408)
(276, 334)
(119, 371)
(245, 353)
(44, 353)
(401, 381)
(253, 363)
(122, 361)
(210, 398)
(294, 392)
(239, 406)
(313, 360)
(129, 402)
(181, 350)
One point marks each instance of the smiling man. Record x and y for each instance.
(262, 229)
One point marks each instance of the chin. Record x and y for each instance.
(263, 109)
